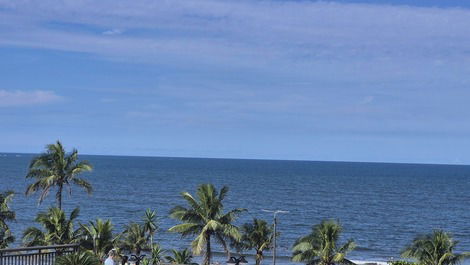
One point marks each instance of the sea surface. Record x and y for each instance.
(381, 206)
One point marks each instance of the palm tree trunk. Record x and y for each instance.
(207, 256)
(59, 197)
(259, 257)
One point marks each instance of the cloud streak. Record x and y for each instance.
(26, 98)
(295, 34)
(113, 32)
(281, 68)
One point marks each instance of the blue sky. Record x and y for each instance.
(346, 80)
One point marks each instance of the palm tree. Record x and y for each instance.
(436, 248)
(134, 238)
(56, 168)
(156, 254)
(258, 236)
(57, 229)
(180, 257)
(6, 214)
(205, 218)
(81, 258)
(6, 238)
(320, 246)
(150, 223)
(98, 237)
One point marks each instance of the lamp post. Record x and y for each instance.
(275, 230)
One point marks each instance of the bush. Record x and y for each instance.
(81, 258)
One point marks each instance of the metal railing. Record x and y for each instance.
(35, 255)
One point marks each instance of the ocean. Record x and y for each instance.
(381, 206)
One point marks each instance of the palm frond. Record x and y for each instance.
(204, 217)
(435, 248)
(6, 237)
(320, 246)
(56, 168)
(84, 184)
(223, 193)
(185, 228)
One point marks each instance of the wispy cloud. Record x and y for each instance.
(26, 98)
(269, 67)
(113, 32)
(245, 33)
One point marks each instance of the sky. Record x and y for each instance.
(371, 80)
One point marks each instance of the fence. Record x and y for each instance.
(35, 255)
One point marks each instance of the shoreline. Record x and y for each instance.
(219, 258)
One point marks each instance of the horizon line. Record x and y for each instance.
(259, 159)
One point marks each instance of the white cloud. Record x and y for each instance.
(270, 49)
(26, 98)
(113, 32)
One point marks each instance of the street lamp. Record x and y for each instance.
(275, 230)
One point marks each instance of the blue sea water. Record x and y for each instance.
(382, 206)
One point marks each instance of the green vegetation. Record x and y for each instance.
(256, 236)
(150, 223)
(6, 238)
(320, 247)
(81, 258)
(57, 229)
(134, 238)
(56, 168)
(436, 248)
(6, 215)
(180, 257)
(156, 254)
(98, 237)
(204, 218)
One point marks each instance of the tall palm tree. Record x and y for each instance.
(320, 247)
(80, 258)
(150, 223)
(180, 257)
(98, 237)
(57, 229)
(258, 236)
(6, 214)
(436, 248)
(205, 218)
(134, 238)
(56, 168)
